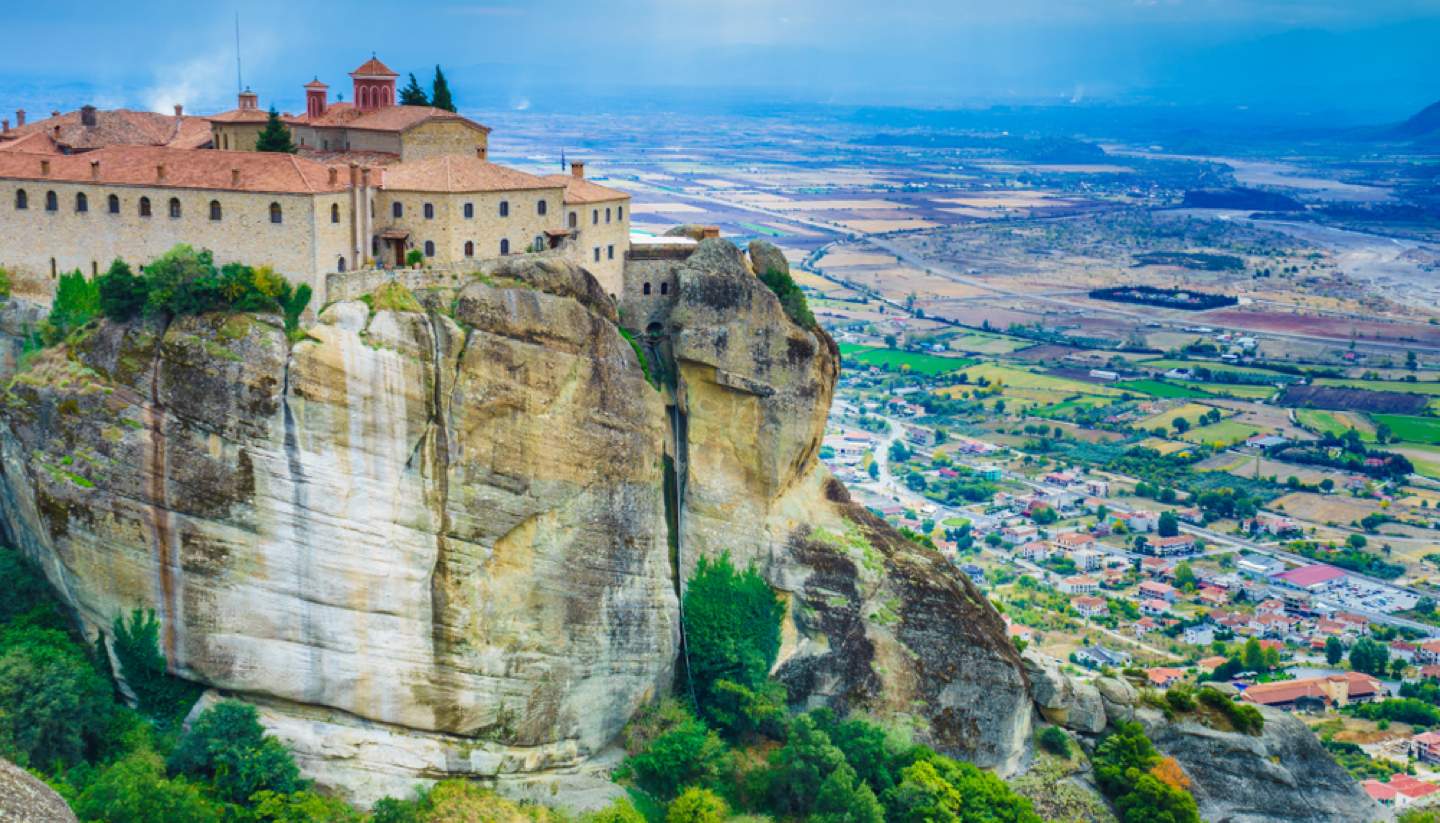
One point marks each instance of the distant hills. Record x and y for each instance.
(1422, 127)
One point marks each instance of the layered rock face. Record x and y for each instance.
(435, 543)
(439, 542)
(875, 622)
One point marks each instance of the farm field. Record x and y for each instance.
(1212, 365)
(1243, 391)
(1243, 465)
(1335, 422)
(1425, 458)
(1160, 388)
(1022, 380)
(982, 343)
(1405, 386)
(918, 362)
(1336, 509)
(1412, 429)
(1166, 419)
(1224, 433)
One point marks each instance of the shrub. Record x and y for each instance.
(938, 788)
(5, 284)
(1054, 740)
(76, 302)
(1242, 716)
(134, 789)
(54, 704)
(697, 806)
(792, 299)
(1180, 699)
(732, 633)
(122, 294)
(688, 755)
(227, 745)
(414, 257)
(621, 811)
(137, 647)
(393, 296)
(1124, 762)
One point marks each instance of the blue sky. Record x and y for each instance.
(1354, 59)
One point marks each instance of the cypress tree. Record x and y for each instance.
(440, 92)
(412, 94)
(274, 137)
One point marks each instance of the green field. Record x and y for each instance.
(1334, 422)
(1212, 365)
(1240, 391)
(759, 229)
(1413, 429)
(1226, 433)
(1160, 388)
(896, 360)
(1432, 389)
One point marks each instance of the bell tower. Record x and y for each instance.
(374, 85)
(316, 94)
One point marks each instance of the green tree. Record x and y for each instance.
(227, 746)
(1356, 541)
(1169, 524)
(412, 94)
(1253, 656)
(1180, 424)
(1185, 577)
(54, 703)
(1334, 651)
(1126, 766)
(122, 294)
(844, 798)
(688, 755)
(798, 769)
(1054, 740)
(274, 136)
(936, 789)
(76, 302)
(1369, 657)
(440, 92)
(137, 647)
(134, 789)
(697, 805)
(304, 806)
(732, 632)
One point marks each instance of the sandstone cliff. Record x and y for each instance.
(434, 543)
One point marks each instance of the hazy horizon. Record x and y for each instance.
(1325, 62)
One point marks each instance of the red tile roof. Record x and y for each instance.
(1313, 575)
(579, 190)
(387, 118)
(118, 127)
(373, 68)
(184, 169)
(459, 173)
(1288, 691)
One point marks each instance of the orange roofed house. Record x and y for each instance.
(1334, 690)
(371, 183)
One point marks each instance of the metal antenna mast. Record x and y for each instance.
(239, 80)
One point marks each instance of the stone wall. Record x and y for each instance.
(604, 237)
(449, 229)
(354, 284)
(235, 136)
(438, 137)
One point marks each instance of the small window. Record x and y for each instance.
(574, 219)
(22, 200)
(144, 207)
(335, 214)
(647, 288)
(52, 203)
(275, 214)
(597, 254)
(215, 212)
(504, 208)
(469, 211)
(397, 210)
(340, 264)
(174, 207)
(538, 244)
(619, 212)
(504, 246)
(114, 204)
(469, 247)
(540, 207)
(664, 288)
(429, 248)
(609, 252)
(429, 211)
(594, 217)
(607, 214)
(82, 203)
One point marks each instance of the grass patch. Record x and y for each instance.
(896, 360)
(1337, 423)
(1166, 419)
(1432, 389)
(1224, 433)
(1215, 366)
(393, 296)
(1413, 429)
(1160, 388)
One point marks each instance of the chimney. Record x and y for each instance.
(708, 232)
(160, 171)
(334, 175)
(19, 118)
(45, 167)
(57, 130)
(87, 116)
(179, 110)
(577, 170)
(234, 176)
(94, 169)
(6, 126)
(54, 112)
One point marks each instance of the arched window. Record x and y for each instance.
(504, 208)
(594, 217)
(504, 246)
(607, 214)
(144, 207)
(646, 290)
(664, 288)
(397, 210)
(275, 215)
(429, 211)
(335, 214)
(82, 203)
(215, 212)
(540, 207)
(340, 264)
(224, 141)
(469, 248)
(469, 211)
(619, 212)
(429, 248)
(574, 219)
(174, 207)
(22, 200)
(114, 202)
(539, 244)
(52, 203)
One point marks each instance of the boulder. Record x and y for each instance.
(766, 257)
(24, 798)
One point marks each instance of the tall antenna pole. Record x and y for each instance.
(239, 80)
